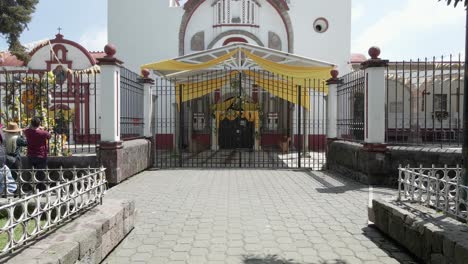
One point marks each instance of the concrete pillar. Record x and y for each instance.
(110, 152)
(147, 104)
(332, 105)
(374, 96)
(110, 95)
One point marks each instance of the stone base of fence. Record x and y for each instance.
(427, 234)
(87, 239)
(376, 165)
(125, 159)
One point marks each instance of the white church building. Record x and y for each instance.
(289, 33)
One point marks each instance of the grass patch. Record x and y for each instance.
(17, 232)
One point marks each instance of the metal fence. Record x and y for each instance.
(240, 119)
(438, 188)
(50, 198)
(350, 116)
(66, 101)
(131, 105)
(425, 102)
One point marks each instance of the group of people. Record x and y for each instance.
(11, 143)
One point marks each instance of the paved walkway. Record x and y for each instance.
(250, 216)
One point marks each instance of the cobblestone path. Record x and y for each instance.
(250, 217)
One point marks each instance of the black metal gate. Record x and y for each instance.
(240, 119)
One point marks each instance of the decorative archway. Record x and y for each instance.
(192, 5)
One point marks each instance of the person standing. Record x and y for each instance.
(7, 182)
(14, 141)
(37, 137)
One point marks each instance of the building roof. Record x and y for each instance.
(8, 59)
(357, 58)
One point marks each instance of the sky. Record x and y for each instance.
(403, 29)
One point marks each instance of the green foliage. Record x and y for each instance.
(14, 18)
(456, 2)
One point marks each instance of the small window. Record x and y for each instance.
(321, 25)
(440, 102)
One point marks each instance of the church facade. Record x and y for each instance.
(156, 30)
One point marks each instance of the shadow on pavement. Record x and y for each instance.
(388, 245)
(274, 259)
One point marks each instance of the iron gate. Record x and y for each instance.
(240, 119)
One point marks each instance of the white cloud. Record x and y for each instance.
(415, 17)
(94, 39)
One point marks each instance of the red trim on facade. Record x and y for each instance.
(60, 40)
(204, 139)
(234, 39)
(164, 141)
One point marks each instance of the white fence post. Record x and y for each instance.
(147, 103)
(374, 94)
(332, 105)
(110, 95)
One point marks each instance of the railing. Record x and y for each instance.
(51, 198)
(425, 102)
(350, 116)
(131, 105)
(66, 102)
(437, 188)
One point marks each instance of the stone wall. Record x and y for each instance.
(87, 239)
(125, 159)
(380, 166)
(428, 235)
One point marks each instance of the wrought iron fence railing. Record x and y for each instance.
(424, 102)
(437, 188)
(52, 197)
(350, 116)
(131, 105)
(66, 102)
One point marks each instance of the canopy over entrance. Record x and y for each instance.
(202, 73)
(242, 56)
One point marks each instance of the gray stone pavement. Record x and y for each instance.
(250, 217)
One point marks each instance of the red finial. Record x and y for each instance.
(110, 50)
(334, 74)
(374, 52)
(145, 73)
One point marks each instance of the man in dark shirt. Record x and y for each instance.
(37, 138)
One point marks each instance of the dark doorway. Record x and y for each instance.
(237, 133)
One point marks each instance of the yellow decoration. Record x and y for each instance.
(195, 90)
(296, 72)
(173, 65)
(225, 105)
(28, 99)
(282, 89)
(251, 116)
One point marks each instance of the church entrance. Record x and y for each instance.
(236, 111)
(236, 134)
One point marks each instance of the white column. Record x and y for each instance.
(110, 96)
(332, 105)
(147, 103)
(374, 96)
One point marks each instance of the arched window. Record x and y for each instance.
(236, 12)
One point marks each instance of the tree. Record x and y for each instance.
(14, 18)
